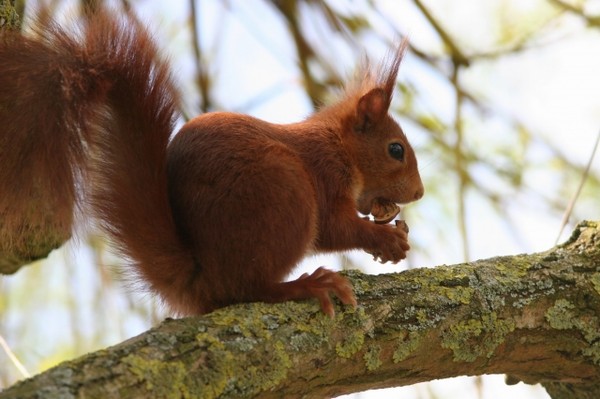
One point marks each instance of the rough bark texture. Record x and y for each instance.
(534, 317)
(9, 18)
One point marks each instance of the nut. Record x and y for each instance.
(384, 211)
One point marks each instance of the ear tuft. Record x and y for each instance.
(372, 108)
(389, 69)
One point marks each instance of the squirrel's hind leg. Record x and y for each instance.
(320, 284)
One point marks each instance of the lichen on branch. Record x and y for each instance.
(531, 316)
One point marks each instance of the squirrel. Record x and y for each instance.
(223, 211)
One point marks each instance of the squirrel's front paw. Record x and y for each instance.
(392, 243)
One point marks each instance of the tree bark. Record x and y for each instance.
(534, 317)
(9, 18)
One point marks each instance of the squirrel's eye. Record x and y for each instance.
(396, 151)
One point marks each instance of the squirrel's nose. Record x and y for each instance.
(419, 193)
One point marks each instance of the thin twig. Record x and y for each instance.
(13, 358)
(459, 159)
(304, 51)
(591, 20)
(455, 52)
(203, 81)
(584, 177)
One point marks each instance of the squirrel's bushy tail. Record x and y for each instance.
(41, 142)
(129, 174)
(113, 102)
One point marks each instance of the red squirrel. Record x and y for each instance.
(224, 211)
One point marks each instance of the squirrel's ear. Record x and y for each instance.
(371, 108)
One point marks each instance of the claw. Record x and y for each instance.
(320, 284)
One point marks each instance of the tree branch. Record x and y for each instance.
(534, 317)
(9, 17)
(593, 21)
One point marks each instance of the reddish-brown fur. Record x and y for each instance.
(41, 149)
(224, 212)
